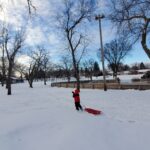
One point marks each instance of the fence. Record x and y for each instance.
(99, 85)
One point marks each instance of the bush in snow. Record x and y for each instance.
(146, 75)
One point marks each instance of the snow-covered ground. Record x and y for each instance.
(44, 118)
(123, 78)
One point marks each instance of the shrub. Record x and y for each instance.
(135, 80)
(146, 75)
(133, 72)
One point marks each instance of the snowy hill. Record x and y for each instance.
(44, 118)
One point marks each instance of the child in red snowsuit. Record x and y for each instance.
(76, 97)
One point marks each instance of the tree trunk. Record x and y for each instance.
(76, 70)
(44, 81)
(91, 75)
(3, 76)
(115, 70)
(2, 82)
(78, 78)
(68, 78)
(21, 77)
(45, 78)
(30, 81)
(78, 84)
(8, 86)
(3, 69)
(31, 84)
(144, 45)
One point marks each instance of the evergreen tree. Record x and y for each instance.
(96, 69)
(142, 66)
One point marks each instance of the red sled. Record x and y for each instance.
(93, 111)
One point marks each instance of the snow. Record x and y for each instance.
(44, 118)
(124, 78)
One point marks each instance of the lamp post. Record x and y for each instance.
(99, 17)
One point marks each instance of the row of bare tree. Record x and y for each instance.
(12, 45)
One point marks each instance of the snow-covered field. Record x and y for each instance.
(44, 118)
(123, 78)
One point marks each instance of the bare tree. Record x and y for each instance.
(115, 52)
(12, 45)
(67, 66)
(133, 18)
(71, 19)
(45, 67)
(34, 65)
(30, 73)
(89, 66)
(45, 60)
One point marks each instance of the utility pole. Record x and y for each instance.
(99, 17)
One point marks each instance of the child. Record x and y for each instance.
(76, 97)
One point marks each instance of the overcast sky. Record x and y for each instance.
(40, 28)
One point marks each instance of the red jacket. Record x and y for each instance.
(76, 95)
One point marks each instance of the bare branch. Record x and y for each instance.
(30, 6)
(132, 17)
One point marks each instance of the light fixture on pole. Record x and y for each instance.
(99, 17)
